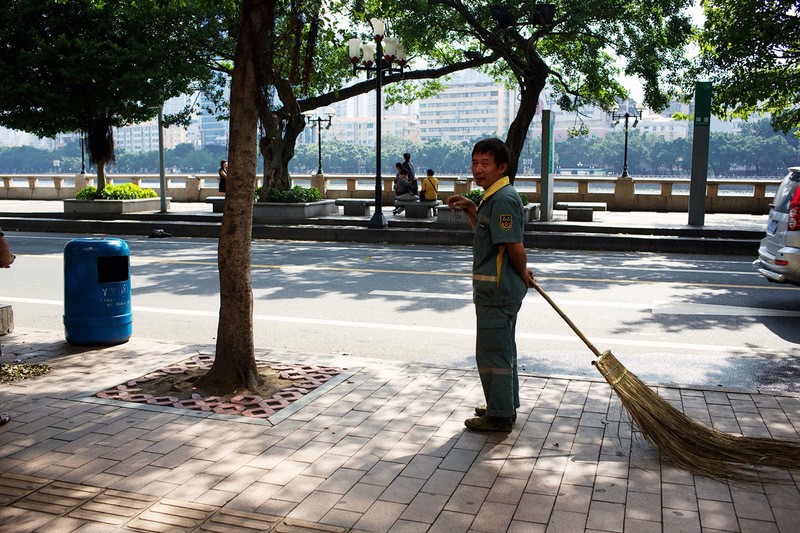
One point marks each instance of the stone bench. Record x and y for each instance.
(530, 212)
(217, 203)
(581, 211)
(417, 209)
(355, 207)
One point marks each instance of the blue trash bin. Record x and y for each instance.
(97, 292)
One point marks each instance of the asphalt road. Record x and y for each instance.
(690, 320)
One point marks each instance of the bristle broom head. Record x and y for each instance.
(688, 444)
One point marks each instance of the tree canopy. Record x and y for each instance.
(750, 51)
(571, 48)
(88, 66)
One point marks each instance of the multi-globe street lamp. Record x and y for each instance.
(627, 115)
(317, 122)
(379, 58)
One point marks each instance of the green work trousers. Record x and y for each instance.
(496, 357)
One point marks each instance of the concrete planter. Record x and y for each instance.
(273, 210)
(444, 214)
(112, 207)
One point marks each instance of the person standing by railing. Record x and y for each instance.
(223, 175)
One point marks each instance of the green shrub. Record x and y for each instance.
(125, 191)
(295, 195)
(476, 195)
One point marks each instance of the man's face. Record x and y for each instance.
(486, 171)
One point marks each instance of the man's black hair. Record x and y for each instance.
(493, 146)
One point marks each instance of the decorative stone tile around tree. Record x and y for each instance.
(304, 378)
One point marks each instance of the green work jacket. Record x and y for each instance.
(499, 221)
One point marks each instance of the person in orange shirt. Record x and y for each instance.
(429, 189)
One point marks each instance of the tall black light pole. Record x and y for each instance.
(627, 116)
(311, 119)
(83, 158)
(393, 53)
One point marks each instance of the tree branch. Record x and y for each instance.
(366, 86)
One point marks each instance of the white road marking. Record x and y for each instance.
(677, 308)
(399, 327)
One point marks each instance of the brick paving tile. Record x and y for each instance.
(425, 507)
(717, 515)
(315, 506)
(606, 516)
(534, 508)
(642, 526)
(408, 526)
(170, 514)
(680, 520)
(443, 482)
(507, 490)
(573, 498)
(15, 486)
(380, 516)
(383, 473)
(451, 522)
(228, 521)
(402, 490)
(756, 526)
(610, 489)
(467, 499)
(112, 507)
(253, 498)
(298, 489)
(493, 516)
(678, 497)
(643, 506)
(566, 522)
(751, 505)
(358, 499)
(340, 517)
(787, 519)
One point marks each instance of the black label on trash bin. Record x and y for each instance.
(112, 269)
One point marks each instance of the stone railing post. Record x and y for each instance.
(193, 186)
(623, 194)
(81, 181)
(321, 184)
(461, 187)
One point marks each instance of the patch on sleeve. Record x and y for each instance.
(505, 222)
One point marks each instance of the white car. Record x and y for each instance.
(779, 252)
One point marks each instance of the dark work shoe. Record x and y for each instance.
(481, 411)
(489, 423)
(4, 418)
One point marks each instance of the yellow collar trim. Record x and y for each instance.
(496, 186)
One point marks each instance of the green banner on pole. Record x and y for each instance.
(702, 103)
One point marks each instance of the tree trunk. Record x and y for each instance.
(518, 131)
(278, 143)
(101, 176)
(234, 365)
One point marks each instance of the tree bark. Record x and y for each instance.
(234, 365)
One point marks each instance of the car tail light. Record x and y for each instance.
(781, 262)
(794, 211)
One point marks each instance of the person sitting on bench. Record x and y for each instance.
(403, 190)
(430, 187)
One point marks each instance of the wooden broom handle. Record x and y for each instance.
(566, 318)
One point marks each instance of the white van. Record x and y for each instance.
(779, 253)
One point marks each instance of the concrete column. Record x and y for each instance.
(623, 194)
(319, 181)
(192, 192)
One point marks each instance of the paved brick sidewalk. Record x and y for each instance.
(380, 448)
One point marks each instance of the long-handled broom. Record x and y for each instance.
(676, 437)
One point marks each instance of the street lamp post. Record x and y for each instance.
(393, 52)
(317, 123)
(627, 115)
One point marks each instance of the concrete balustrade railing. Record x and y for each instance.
(666, 193)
